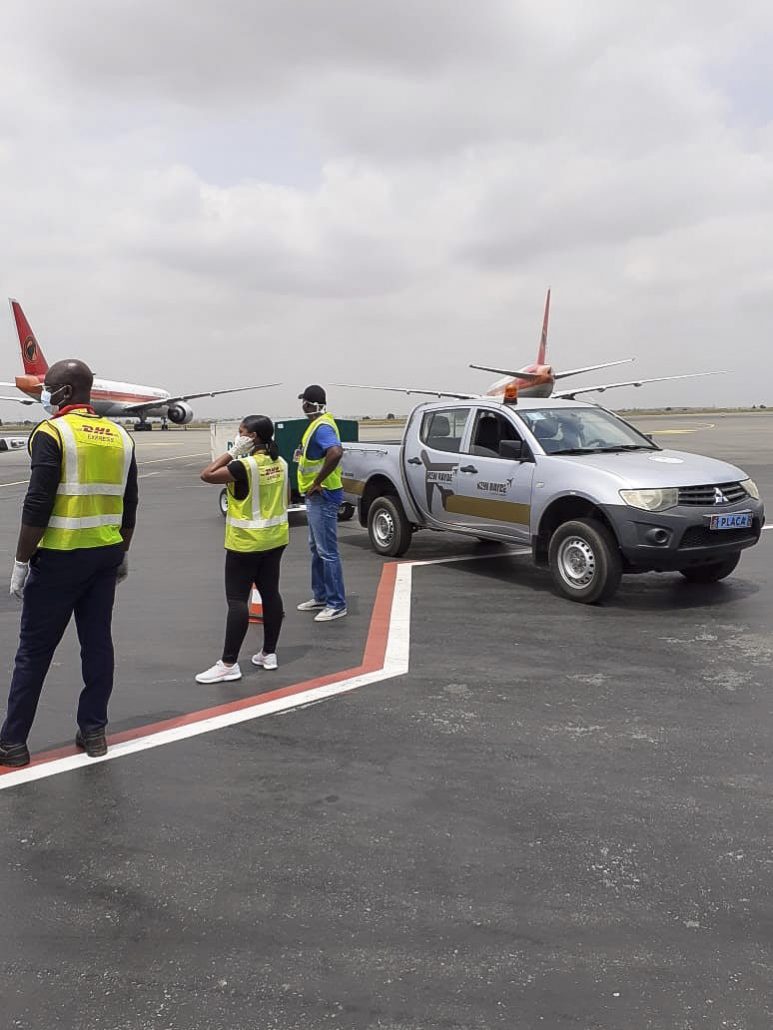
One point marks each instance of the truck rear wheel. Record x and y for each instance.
(388, 528)
(223, 502)
(346, 512)
(713, 572)
(585, 562)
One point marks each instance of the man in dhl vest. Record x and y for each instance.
(77, 525)
(319, 480)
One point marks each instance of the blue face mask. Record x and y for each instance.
(45, 400)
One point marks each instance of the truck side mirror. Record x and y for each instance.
(513, 450)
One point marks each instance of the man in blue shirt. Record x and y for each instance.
(319, 480)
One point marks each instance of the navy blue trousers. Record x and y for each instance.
(62, 584)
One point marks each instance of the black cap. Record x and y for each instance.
(314, 395)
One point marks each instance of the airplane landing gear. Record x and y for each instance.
(164, 424)
(143, 426)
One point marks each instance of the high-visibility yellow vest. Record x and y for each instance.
(260, 521)
(96, 457)
(309, 468)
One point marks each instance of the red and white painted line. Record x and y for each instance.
(387, 654)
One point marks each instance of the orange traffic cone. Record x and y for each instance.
(256, 605)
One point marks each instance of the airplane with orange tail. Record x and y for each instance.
(537, 380)
(109, 398)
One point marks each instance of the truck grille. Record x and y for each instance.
(702, 536)
(707, 496)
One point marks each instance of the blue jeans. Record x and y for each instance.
(327, 577)
(62, 584)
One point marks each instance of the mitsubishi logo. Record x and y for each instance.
(719, 497)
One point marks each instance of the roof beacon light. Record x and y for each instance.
(511, 394)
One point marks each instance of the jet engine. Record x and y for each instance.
(180, 413)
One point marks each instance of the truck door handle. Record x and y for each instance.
(414, 461)
(468, 468)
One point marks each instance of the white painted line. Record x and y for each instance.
(769, 526)
(175, 457)
(471, 557)
(150, 461)
(396, 662)
(146, 475)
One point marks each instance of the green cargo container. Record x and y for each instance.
(288, 433)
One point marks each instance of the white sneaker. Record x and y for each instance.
(328, 614)
(220, 673)
(265, 661)
(311, 606)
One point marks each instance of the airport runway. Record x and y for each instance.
(528, 813)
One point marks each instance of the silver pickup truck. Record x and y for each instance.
(591, 495)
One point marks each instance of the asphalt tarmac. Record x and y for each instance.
(527, 814)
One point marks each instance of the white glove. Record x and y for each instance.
(123, 569)
(241, 446)
(21, 569)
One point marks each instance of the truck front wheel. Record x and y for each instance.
(388, 528)
(585, 562)
(713, 572)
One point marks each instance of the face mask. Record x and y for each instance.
(45, 400)
(45, 397)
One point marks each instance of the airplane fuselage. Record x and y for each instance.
(108, 397)
(543, 387)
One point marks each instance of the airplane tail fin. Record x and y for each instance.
(31, 354)
(543, 340)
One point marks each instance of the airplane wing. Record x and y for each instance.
(19, 400)
(410, 389)
(137, 409)
(571, 394)
(591, 368)
(531, 376)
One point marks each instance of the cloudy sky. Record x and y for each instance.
(199, 194)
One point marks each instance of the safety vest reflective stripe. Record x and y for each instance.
(257, 522)
(87, 522)
(90, 489)
(308, 468)
(280, 520)
(72, 485)
(88, 514)
(260, 521)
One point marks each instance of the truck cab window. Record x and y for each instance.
(583, 430)
(444, 430)
(490, 430)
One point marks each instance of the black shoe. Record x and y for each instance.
(93, 743)
(14, 754)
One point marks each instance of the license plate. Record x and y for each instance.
(736, 521)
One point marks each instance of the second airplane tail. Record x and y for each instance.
(543, 340)
(32, 356)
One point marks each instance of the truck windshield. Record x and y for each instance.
(583, 431)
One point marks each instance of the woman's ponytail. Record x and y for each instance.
(272, 448)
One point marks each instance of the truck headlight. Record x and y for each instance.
(751, 488)
(651, 500)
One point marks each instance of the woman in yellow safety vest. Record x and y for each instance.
(256, 534)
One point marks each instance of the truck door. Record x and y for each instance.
(432, 462)
(493, 493)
